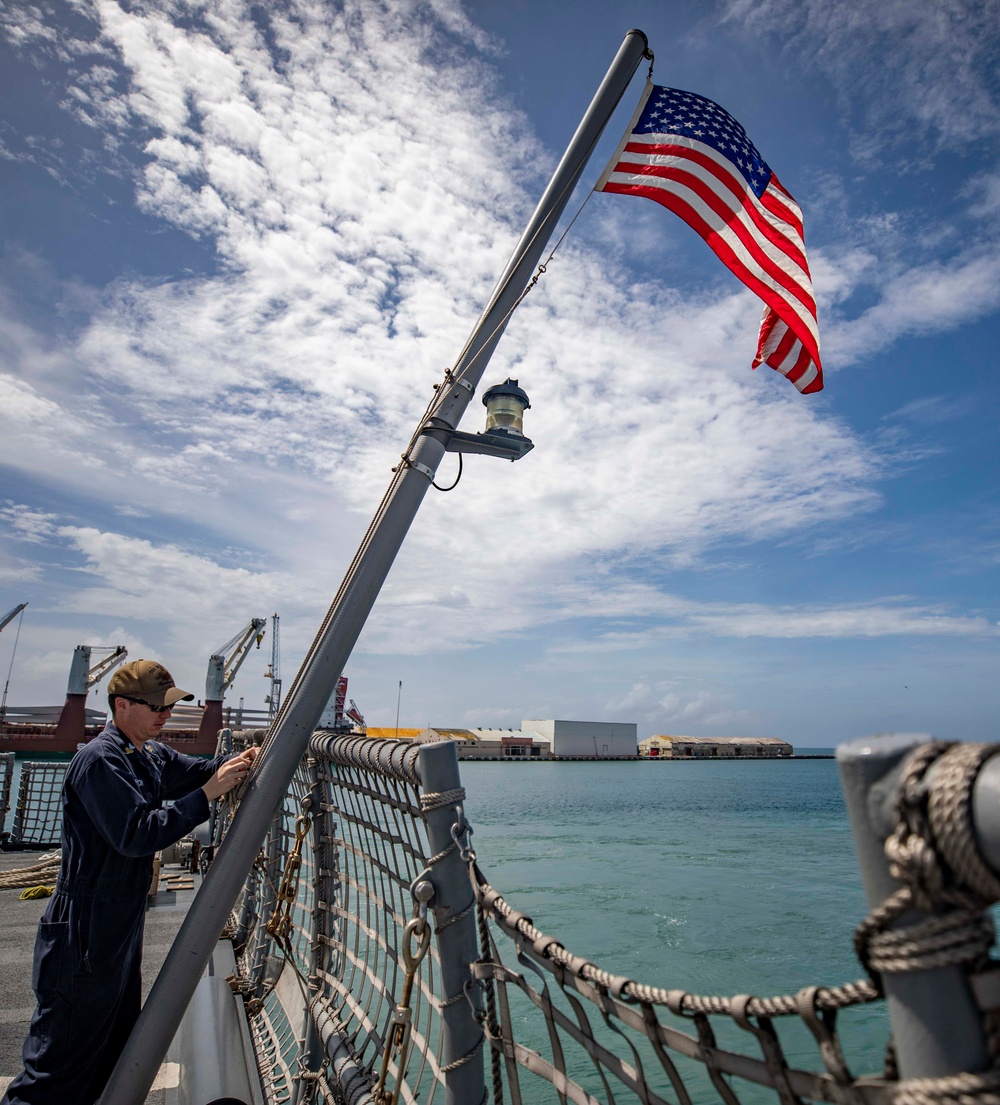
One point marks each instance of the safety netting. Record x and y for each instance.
(563, 1028)
(37, 816)
(358, 989)
(336, 964)
(6, 779)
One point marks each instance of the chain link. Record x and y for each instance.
(280, 924)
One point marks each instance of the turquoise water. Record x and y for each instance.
(717, 878)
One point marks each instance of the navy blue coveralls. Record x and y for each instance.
(88, 950)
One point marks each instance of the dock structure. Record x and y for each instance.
(535, 740)
(706, 748)
(586, 740)
(492, 744)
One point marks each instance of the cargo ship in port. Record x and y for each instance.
(60, 730)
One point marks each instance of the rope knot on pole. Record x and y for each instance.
(933, 853)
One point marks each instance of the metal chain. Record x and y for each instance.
(280, 924)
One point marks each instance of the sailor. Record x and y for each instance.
(88, 950)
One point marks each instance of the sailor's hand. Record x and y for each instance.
(230, 774)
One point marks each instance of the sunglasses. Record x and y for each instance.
(143, 702)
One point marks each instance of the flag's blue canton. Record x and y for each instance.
(671, 111)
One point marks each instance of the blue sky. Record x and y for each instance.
(240, 244)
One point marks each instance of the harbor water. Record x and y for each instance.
(719, 878)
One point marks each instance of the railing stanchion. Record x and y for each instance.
(456, 939)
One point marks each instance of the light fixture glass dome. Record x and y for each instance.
(505, 406)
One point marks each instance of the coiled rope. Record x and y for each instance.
(934, 853)
(36, 877)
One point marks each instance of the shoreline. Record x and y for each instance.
(642, 759)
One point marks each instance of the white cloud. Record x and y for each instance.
(669, 616)
(928, 298)
(34, 526)
(918, 67)
(677, 707)
(22, 404)
(360, 198)
(351, 277)
(932, 410)
(909, 296)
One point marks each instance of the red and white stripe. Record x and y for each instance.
(778, 347)
(760, 240)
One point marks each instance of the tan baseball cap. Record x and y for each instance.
(148, 680)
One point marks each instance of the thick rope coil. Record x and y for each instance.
(949, 811)
(933, 853)
(961, 936)
(42, 872)
(913, 859)
(434, 799)
(955, 1089)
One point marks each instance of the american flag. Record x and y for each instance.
(687, 153)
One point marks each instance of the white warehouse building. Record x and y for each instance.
(603, 740)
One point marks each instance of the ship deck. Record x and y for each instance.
(18, 921)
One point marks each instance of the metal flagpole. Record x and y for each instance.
(317, 678)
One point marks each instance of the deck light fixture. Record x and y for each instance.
(505, 406)
(504, 436)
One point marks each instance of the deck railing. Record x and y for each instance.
(356, 929)
(378, 965)
(6, 778)
(349, 1004)
(36, 821)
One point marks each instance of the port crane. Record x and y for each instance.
(225, 662)
(356, 716)
(9, 617)
(83, 675)
(273, 673)
(223, 665)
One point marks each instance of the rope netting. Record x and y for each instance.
(592, 1035)
(37, 820)
(326, 927)
(347, 997)
(6, 778)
